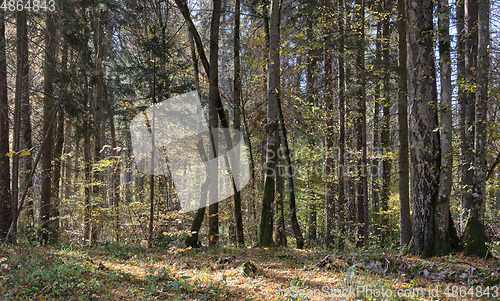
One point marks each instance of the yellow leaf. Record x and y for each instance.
(10, 154)
(25, 153)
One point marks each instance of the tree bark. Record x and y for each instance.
(237, 120)
(405, 231)
(466, 103)
(330, 127)
(386, 125)
(362, 185)
(213, 107)
(340, 205)
(265, 238)
(474, 237)
(48, 114)
(443, 241)
(424, 135)
(5, 197)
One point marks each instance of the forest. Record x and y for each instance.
(256, 149)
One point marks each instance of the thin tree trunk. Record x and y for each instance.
(213, 107)
(362, 186)
(340, 206)
(237, 120)
(22, 91)
(405, 230)
(468, 108)
(443, 242)
(461, 96)
(376, 136)
(386, 125)
(48, 113)
(330, 128)
(273, 86)
(5, 205)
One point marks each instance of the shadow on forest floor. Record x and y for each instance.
(114, 272)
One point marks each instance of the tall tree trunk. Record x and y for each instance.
(48, 114)
(443, 242)
(362, 185)
(22, 91)
(5, 205)
(237, 119)
(376, 135)
(340, 206)
(330, 126)
(405, 231)
(422, 97)
(265, 238)
(461, 96)
(213, 107)
(467, 104)
(386, 125)
(474, 237)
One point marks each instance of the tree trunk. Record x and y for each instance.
(474, 237)
(376, 137)
(5, 205)
(424, 138)
(330, 128)
(442, 231)
(22, 91)
(466, 103)
(340, 206)
(461, 92)
(362, 185)
(405, 231)
(386, 125)
(237, 120)
(48, 114)
(273, 86)
(213, 107)
(289, 170)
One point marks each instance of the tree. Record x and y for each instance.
(474, 236)
(213, 123)
(405, 232)
(5, 206)
(446, 176)
(386, 126)
(273, 87)
(48, 116)
(424, 138)
(237, 119)
(360, 127)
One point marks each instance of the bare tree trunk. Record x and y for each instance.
(362, 185)
(213, 107)
(273, 87)
(22, 91)
(330, 128)
(340, 206)
(425, 153)
(5, 205)
(474, 237)
(467, 106)
(48, 114)
(386, 125)
(405, 231)
(443, 242)
(461, 96)
(376, 136)
(237, 120)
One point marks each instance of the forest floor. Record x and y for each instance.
(117, 272)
